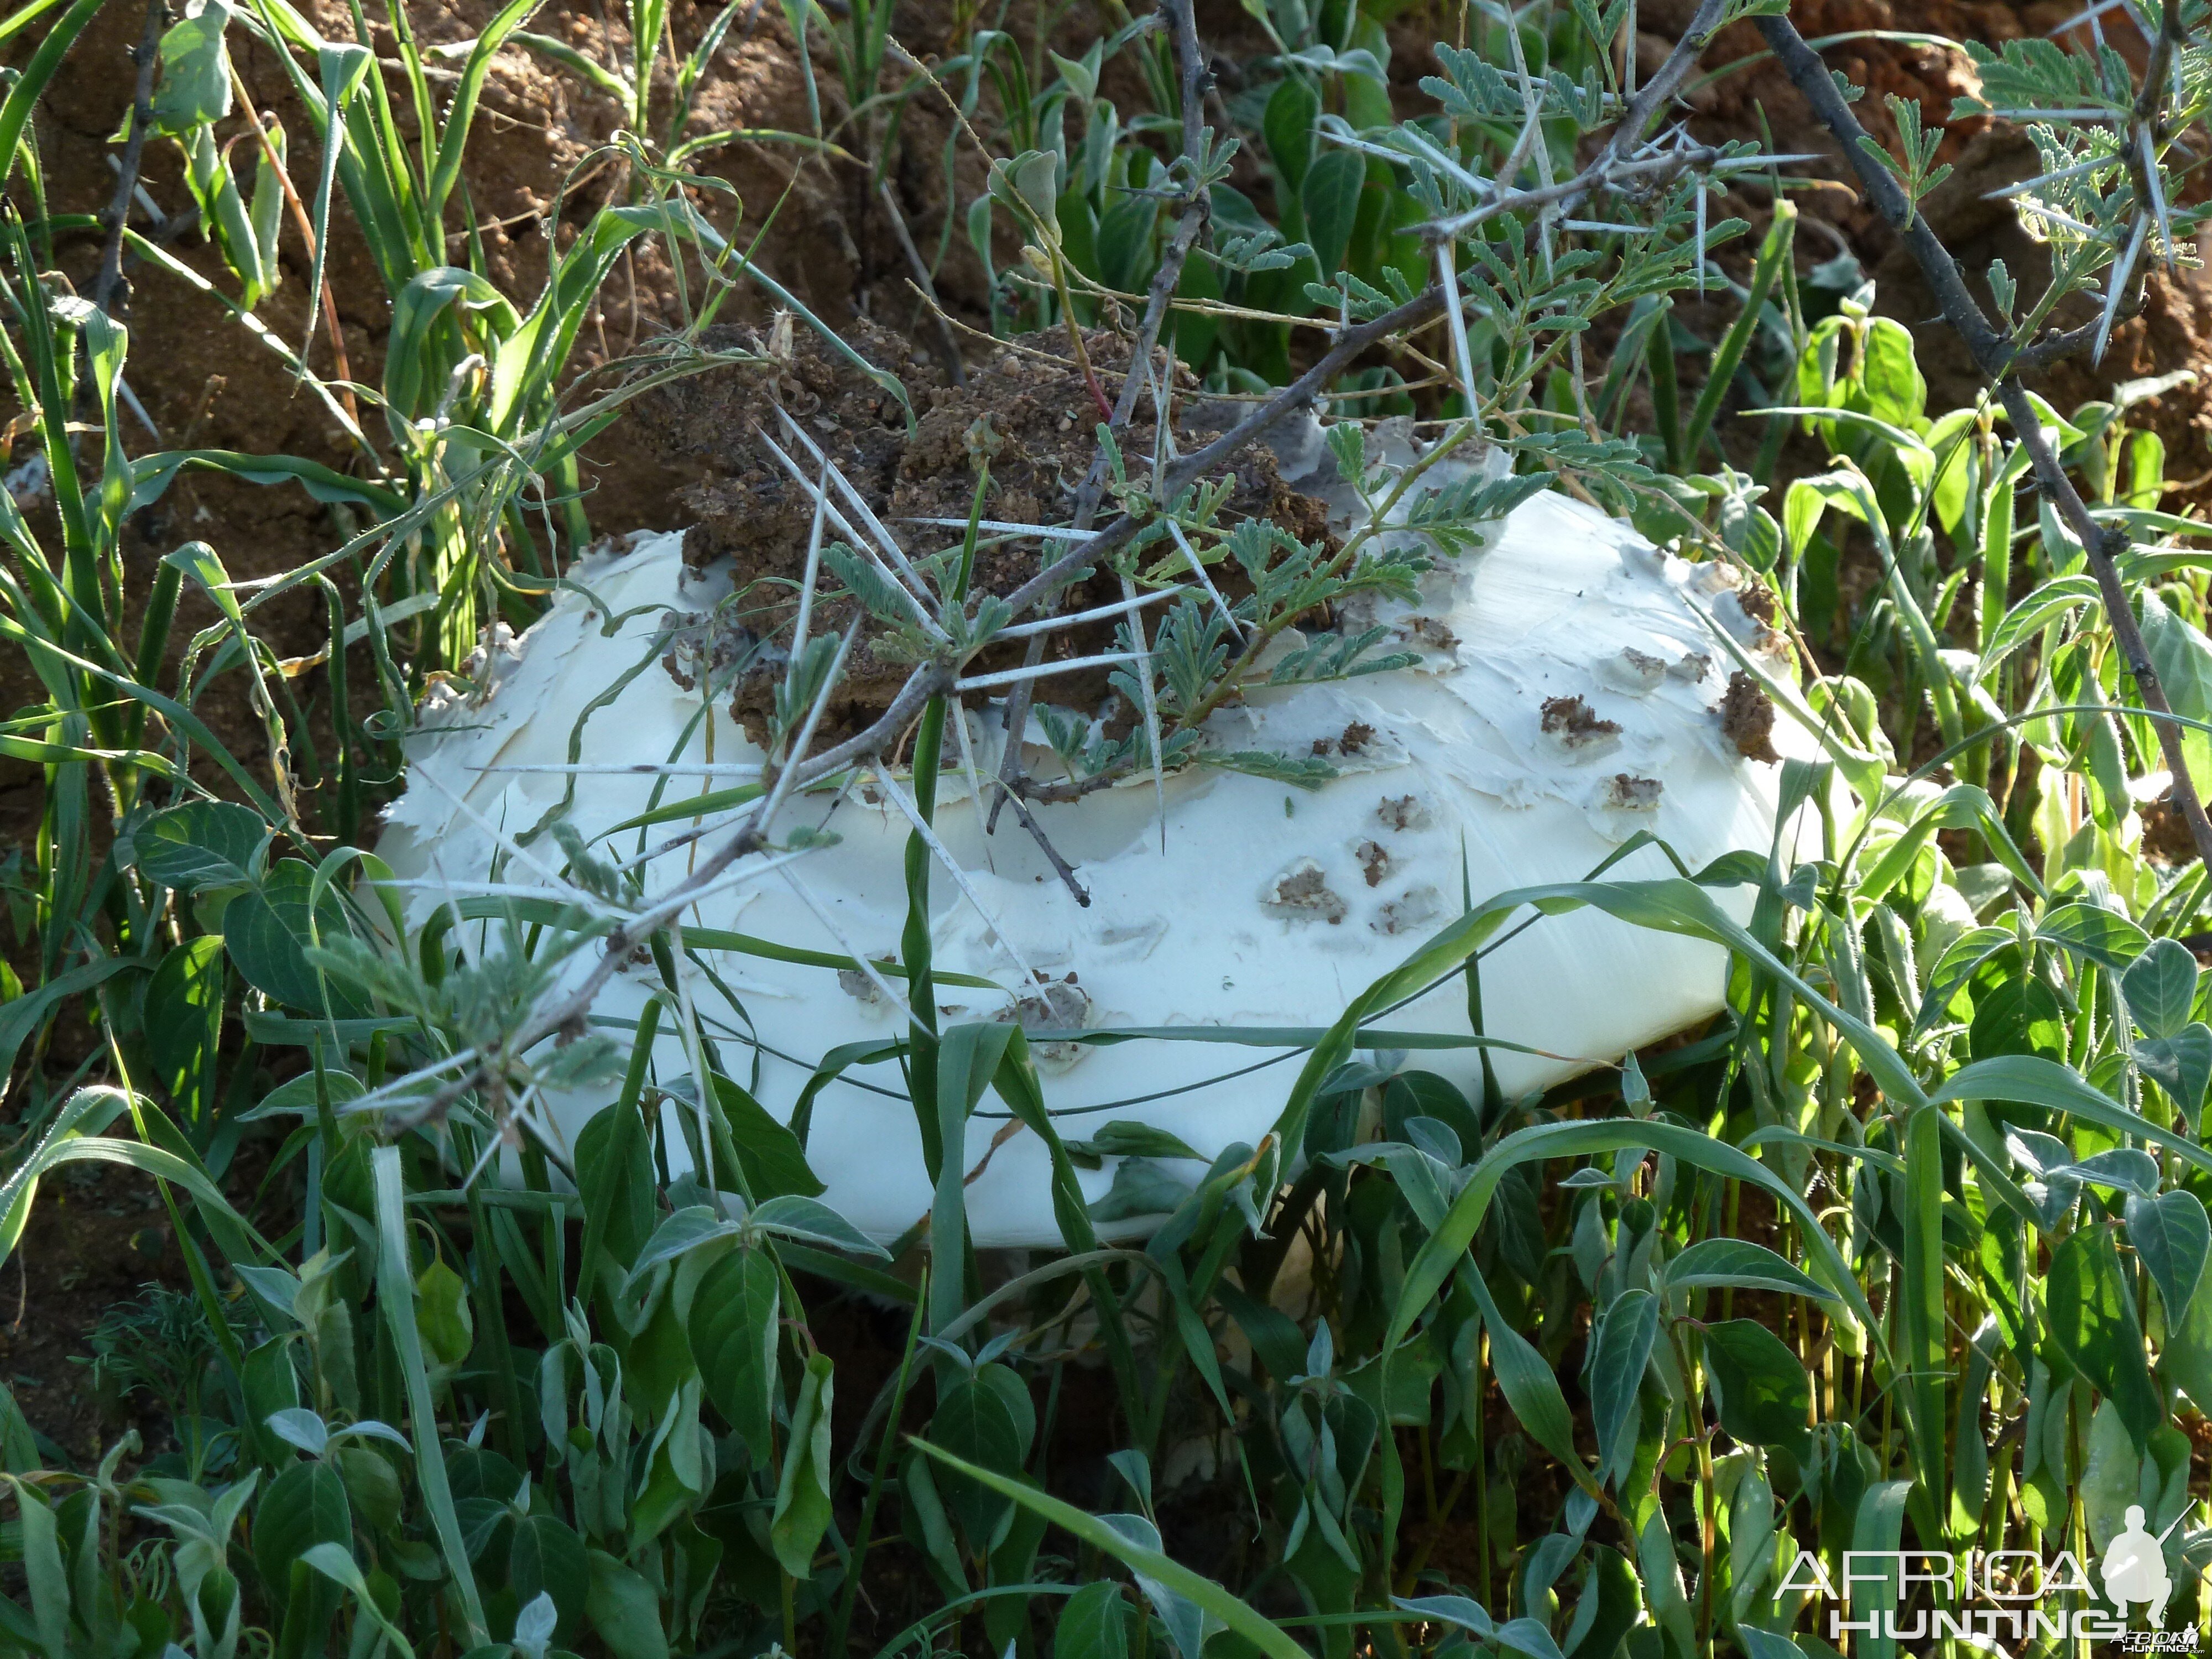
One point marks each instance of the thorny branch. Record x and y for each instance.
(1998, 358)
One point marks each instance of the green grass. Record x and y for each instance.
(1906, 1249)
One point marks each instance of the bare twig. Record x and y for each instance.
(1999, 360)
(948, 348)
(109, 285)
(1060, 866)
(1617, 164)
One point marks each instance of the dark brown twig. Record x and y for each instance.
(109, 283)
(1997, 359)
(1060, 866)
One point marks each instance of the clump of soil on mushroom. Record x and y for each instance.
(1575, 725)
(1027, 410)
(1748, 718)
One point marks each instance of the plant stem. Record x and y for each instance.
(109, 283)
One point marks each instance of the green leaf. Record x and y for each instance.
(1714, 1262)
(2017, 1017)
(684, 1231)
(2090, 1316)
(1149, 1564)
(624, 1610)
(1094, 1623)
(1879, 1526)
(1896, 392)
(802, 1494)
(773, 1161)
(267, 930)
(1764, 1392)
(332, 1561)
(1531, 1386)
(2160, 986)
(1622, 1350)
(546, 1555)
(1127, 1137)
(2172, 1236)
(974, 1424)
(397, 1307)
(2034, 1081)
(2183, 656)
(2024, 621)
(209, 843)
(2104, 936)
(304, 1505)
(23, 1013)
(1125, 242)
(1330, 196)
(184, 1020)
(441, 1314)
(194, 88)
(614, 1172)
(733, 1338)
(2181, 1065)
(1288, 127)
(814, 1222)
(1662, 1573)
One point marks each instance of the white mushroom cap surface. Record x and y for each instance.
(1256, 903)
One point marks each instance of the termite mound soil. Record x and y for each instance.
(1027, 416)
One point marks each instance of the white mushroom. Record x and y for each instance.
(1561, 705)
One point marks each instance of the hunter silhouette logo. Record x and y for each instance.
(2134, 1568)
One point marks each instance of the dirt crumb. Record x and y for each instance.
(1576, 727)
(1409, 910)
(1623, 792)
(1432, 632)
(1757, 599)
(1354, 739)
(1302, 893)
(700, 644)
(1403, 812)
(1748, 718)
(1374, 860)
(1633, 671)
(1051, 1004)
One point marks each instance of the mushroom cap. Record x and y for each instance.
(1567, 697)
